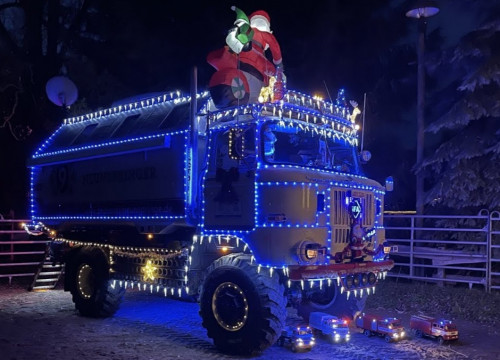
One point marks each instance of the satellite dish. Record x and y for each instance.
(61, 91)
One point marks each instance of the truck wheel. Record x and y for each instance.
(294, 348)
(387, 338)
(419, 333)
(367, 333)
(440, 340)
(329, 300)
(242, 309)
(92, 294)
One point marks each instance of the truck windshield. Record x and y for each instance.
(294, 145)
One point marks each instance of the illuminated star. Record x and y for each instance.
(149, 271)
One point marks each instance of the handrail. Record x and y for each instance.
(20, 255)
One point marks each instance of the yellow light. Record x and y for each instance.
(52, 233)
(150, 236)
(224, 248)
(149, 271)
(356, 127)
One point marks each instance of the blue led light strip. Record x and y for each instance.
(109, 143)
(154, 101)
(138, 217)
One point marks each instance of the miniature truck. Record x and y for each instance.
(297, 338)
(441, 329)
(390, 328)
(330, 325)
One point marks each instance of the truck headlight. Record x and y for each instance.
(395, 336)
(309, 252)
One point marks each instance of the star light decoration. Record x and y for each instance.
(149, 271)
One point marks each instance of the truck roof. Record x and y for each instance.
(151, 120)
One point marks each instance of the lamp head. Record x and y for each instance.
(423, 9)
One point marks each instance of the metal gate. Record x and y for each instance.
(446, 248)
(20, 256)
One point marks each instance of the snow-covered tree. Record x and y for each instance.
(465, 167)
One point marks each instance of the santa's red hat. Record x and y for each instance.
(260, 14)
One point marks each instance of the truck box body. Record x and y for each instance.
(130, 166)
(422, 323)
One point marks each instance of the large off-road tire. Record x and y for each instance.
(92, 292)
(242, 309)
(329, 300)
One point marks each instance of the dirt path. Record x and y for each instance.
(44, 325)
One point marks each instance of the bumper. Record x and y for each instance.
(332, 271)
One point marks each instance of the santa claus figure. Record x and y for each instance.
(358, 249)
(243, 68)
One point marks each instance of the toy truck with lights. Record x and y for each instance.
(330, 325)
(389, 328)
(428, 326)
(297, 338)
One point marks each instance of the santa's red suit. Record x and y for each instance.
(262, 40)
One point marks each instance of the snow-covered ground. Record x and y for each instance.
(44, 325)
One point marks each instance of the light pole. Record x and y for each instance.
(421, 10)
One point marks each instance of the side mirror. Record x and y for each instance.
(389, 183)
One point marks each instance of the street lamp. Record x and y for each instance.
(421, 10)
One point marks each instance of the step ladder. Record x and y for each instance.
(47, 275)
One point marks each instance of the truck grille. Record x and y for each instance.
(339, 215)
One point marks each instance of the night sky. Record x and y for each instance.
(150, 46)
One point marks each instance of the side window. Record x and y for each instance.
(233, 148)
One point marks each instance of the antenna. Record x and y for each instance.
(328, 92)
(363, 128)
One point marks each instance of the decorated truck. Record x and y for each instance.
(297, 338)
(330, 325)
(389, 328)
(440, 329)
(244, 200)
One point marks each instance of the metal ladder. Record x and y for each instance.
(47, 275)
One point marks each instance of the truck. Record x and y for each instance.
(330, 325)
(389, 328)
(297, 338)
(240, 205)
(436, 328)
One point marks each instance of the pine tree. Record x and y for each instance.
(465, 166)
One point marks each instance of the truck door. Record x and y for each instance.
(229, 190)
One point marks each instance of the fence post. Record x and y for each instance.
(489, 239)
(412, 234)
(11, 244)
